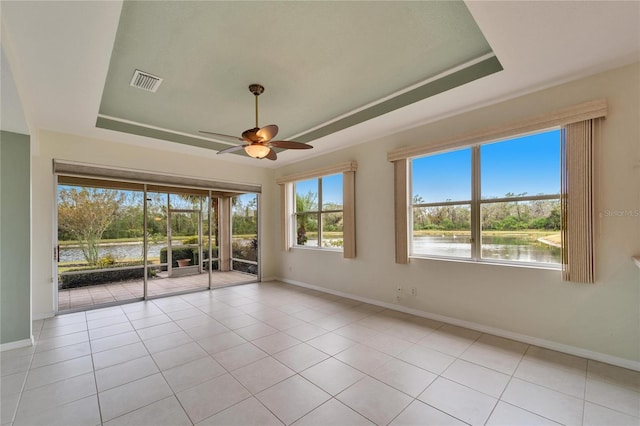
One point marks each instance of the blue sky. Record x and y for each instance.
(331, 188)
(514, 165)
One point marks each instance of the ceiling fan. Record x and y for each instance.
(259, 138)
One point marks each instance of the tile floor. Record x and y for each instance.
(273, 354)
(86, 297)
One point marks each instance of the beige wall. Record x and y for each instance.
(75, 148)
(602, 318)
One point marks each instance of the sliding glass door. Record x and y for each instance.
(121, 241)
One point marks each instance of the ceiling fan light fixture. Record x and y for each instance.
(257, 150)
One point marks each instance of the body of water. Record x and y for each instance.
(493, 247)
(118, 251)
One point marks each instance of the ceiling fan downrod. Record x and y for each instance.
(257, 90)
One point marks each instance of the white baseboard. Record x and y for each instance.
(548, 344)
(17, 344)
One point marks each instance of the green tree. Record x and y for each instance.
(85, 213)
(304, 204)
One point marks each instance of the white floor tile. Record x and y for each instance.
(450, 339)
(55, 372)
(332, 376)
(119, 355)
(509, 415)
(545, 402)
(185, 376)
(55, 394)
(166, 412)
(300, 357)
(597, 415)
(8, 406)
(116, 341)
(363, 358)
(249, 412)
(615, 375)
(239, 356)
(168, 341)
(405, 377)
(61, 341)
(221, 342)
(276, 342)
(616, 397)
(331, 343)
(419, 413)
(306, 332)
(561, 372)
(83, 412)
(292, 398)
(211, 397)
(374, 400)
(333, 412)
(110, 330)
(179, 355)
(133, 395)
(497, 353)
(262, 374)
(255, 331)
(12, 384)
(477, 377)
(427, 359)
(459, 401)
(119, 374)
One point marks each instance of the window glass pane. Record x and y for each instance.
(442, 231)
(332, 192)
(332, 235)
(244, 228)
(521, 231)
(307, 229)
(442, 177)
(307, 195)
(529, 165)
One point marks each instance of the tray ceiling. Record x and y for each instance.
(326, 66)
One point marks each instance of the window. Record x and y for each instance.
(497, 201)
(319, 212)
(318, 209)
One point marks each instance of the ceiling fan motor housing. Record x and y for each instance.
(256, 89)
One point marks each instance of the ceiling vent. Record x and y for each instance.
(145, 81)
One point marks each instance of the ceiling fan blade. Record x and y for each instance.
(232, 149)
(271, 155)
(222, 135)
(290, 145)
(267, 133)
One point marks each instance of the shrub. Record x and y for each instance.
(190, 240)
(100, 276)
(184, 252)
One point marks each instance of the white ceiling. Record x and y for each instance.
(59, 55)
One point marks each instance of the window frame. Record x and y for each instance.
(318, 213)
(475, 205)
(288, 201)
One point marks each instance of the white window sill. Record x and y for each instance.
(544, 266)
(329, 249)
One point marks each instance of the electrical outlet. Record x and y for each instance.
(414, 291)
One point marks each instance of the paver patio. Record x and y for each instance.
(86, 297)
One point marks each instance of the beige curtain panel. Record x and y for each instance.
(577, 206)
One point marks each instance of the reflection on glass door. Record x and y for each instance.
(110, 233)
(244, 235)
(182, 261)
(100, 251)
